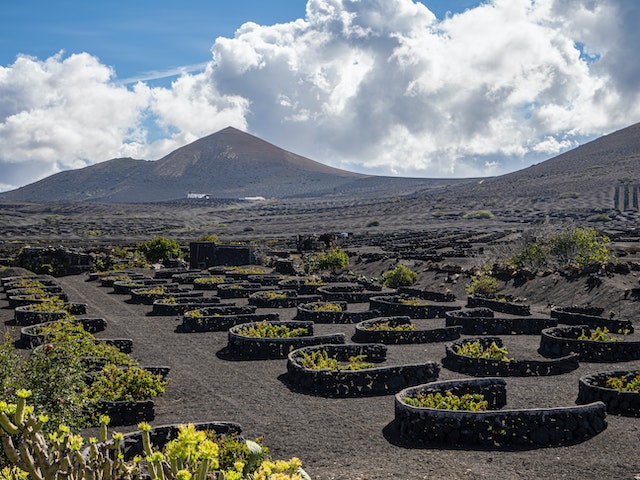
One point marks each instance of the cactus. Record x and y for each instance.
(63, 455)
(58, 453)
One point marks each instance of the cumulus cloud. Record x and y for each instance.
(378, 86)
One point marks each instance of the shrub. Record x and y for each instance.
(160, 248)
(577, 247)
(193, 453)
(599, 217)
(476, 350)
(449, 401)
(566, 195)
(320, 360)
(386, 326)
(414, 302)
(581, 246)
(213, 238)
(57, 380)
(484, 284)
(478, 214)
(132, 384)
(335, 260)
(269, 330)
(624, 383)
(401, 276)
(599, 335)
(373, 223)
(327, 307)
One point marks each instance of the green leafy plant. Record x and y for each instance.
(414, 302)
(71, 339)
(401, 276)
(156, 290)
(247, 270)
(131, 383)
(566, 195)
(449, 401)
(168, 301)
(327, 307)
(624, 383)
(50, 304)
(484, 285)
(320, 360)
(599, 335)
(271, 295)
(160, 248)
(577, 247)
(268, 330)
(208, 280)
(476, 350)
(478, 214)
(387, 326)
(211, 237)
(193, 454)
(334, 260)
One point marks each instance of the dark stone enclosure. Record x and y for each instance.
(255, 348)
(561, 341)
(493, 429)
(488, 367)
(592, 388)
(481, 321)
(363, 333)
(383, 380)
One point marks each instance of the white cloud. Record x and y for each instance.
(378, 86)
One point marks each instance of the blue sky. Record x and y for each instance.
(392, 87)
(140, 39)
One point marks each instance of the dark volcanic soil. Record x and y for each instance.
(353, 438)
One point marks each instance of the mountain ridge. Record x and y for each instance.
(235, 164)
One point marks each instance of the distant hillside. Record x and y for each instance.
(226, 164)
(235, 164)
(584, 177)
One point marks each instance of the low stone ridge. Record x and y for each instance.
(487, 367)
(108, 280)
(588, 316)
(124, 287)
(303, 286)
(561, 341)
(291, 299)
(481, 321)
(356, 383)
(427, 294)
(238, 290)
(363, 333)
(496, 305)
(346, 292)
(256, 348)
(391, 306)
(592, 388)
(184, 304)
(309, 312)
(493, 429)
